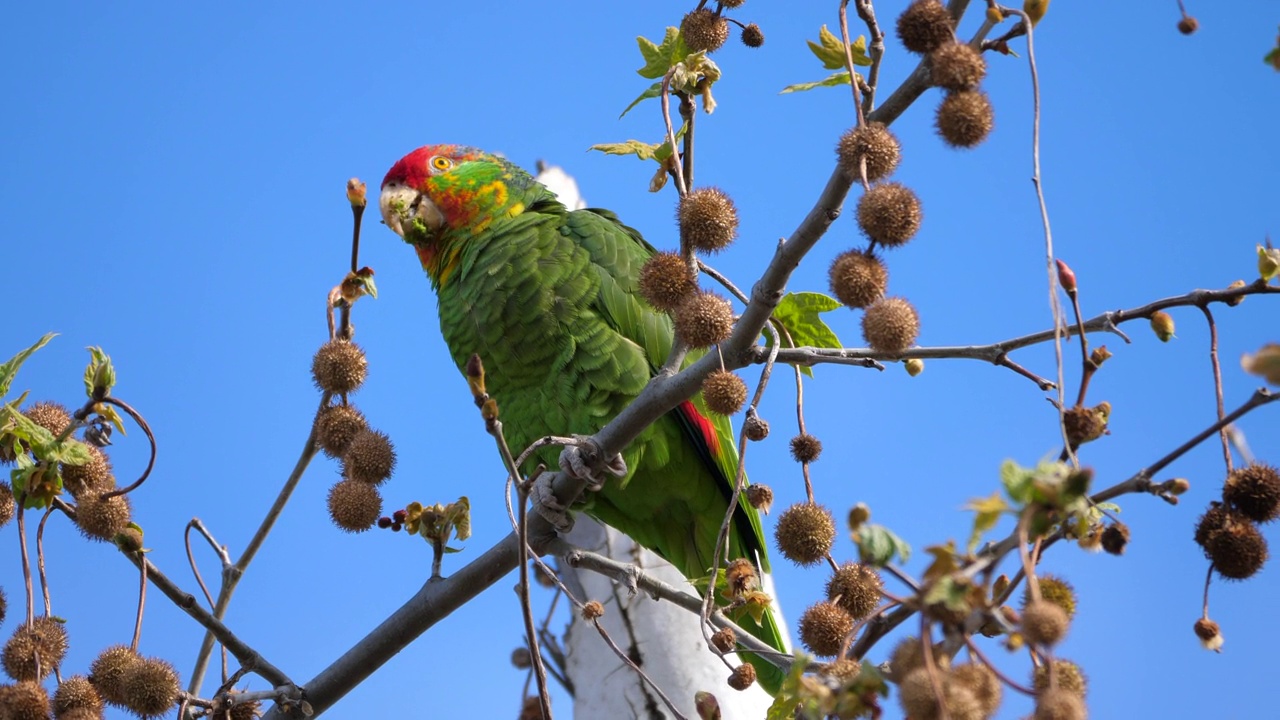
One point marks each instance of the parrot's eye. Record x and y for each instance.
(441, 163)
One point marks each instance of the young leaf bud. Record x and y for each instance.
(914, 366)
(740, 577)
(706, 704)
(1066, 277)
(1162, 325)
(1238, 298)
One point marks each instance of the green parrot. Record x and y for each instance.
(548, 299)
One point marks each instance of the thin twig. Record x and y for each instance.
(151, 462)
(20, 499)
(1217, 382)
(44, 579)
(142, 603)
(848, 61)
(675, 168)
(631, 664)
(195, 570)
(973, 648)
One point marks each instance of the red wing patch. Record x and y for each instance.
(702, 424)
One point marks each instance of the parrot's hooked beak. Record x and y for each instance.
(408, 213)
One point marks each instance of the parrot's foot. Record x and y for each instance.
(545, 504)
(573, 461)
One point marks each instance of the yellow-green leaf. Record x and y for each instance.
(830, 50)
(840, 78)
(10, 368)
(658, 59)
(988, 512)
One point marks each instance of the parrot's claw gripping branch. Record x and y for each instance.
(549, 508)
(585, 461)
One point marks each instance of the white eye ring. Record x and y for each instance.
(440, 162)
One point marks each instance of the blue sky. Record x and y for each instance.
(173, 192)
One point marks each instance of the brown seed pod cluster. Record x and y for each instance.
(858, 278)
(890, 325)
(805, 533)
(917, 697)
(1228, 531)
(26, 700)
(704, 30)
(760, 497)
(873, 144)
(354, 506)
(1115, 538)
(965, 118)
(665, 281)
(743, 677)
(1059, 704)
(855, 587)
(842, 671)
(150, 687)
(51, 416)
(703, 319)
(339, 367)
(1054, 589)
(107, 672)
(724, 392)
(724, 640)
(1254, 491)
(956, 66)
(708, 220)
(102, 518)
(370, 458)
(752, 36)
(592, 610)
(35, 650)
(925, 26)
(76, 693)
(95, 476)
(7, 507)
(889, 214)
(978, 679)
(806, 448)
(824, 627)
(1044, 623)
(336, 426)
(1067, 675)
(756, 428)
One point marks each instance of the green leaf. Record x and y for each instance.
(109, 412)
(9, 369)
(840, 78)
(99, 375)
(653, 91)
(951, 592)
(830, 50)
(800, 313)
(1273, 58)
(878, 544)
(989, 511)
(658, 59)
(1017, 481)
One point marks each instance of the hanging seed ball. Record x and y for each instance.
(100, 519)
(242, 710)
(370, 458)
(1059, 704)
(1254, 491)
(872, 142)
(752, 36)
(806, 448)
(1115, 537)
(741, 577)
(95, 476)
(150, 687)
(732, 4)
(1238, 550)
(905, 658)
(1188, 25)
(7, 507)
(956, 66)
(24, 701)
(889, 213)
(1210, 634)
(51, 416)
(339, 367)
(1083, 425)
(724, 640)
(1069, 677)
(965, 118)
(107, 671)
(703, 319)
(1057, 591)
(842, 671)
(43, 643)
(708, 220)
(704, 30)
(982, 682)
(521, 658)
(1044, 623)
(760, 497)
(592, 610)
(805, 533)
(756, 427)
(665, 281)
(76, 693)
(336, 426)
(855, 587)
(924, 26)
(858, 278)
(823, 628)
(1211, 523)
(354, 506)
(890, 325)
(724, 392)
(918, 700)
(4, 606)
(743, 677)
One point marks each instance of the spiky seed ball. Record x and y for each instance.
(370, 458)
(872, 142)
(889, 213)
(890, 325)
(521, 658)
(1044, 623)
(354, 506)
(244, 710)
(743, 677)
(336, 426)
(956, 66)
(842, 671)
(982, 682)
(43, 643)
(83, 714)
(857, 588)
(6, 503)
(339, 367)
(1238, 550)
(107, 671)
(965, 118)
(708, 219)
(1115, 537)
(1057, 591)
(752, 36)
(905, 658)
(51, 416)
(724, 640)
(665, 281)
(703, 319)
(1188, 25)
(1254, 491)
(724, 392)
(741, 577)
(823, 628)
(858, 278)
(100, 519)
(917, 698)
(150, 687)
(704, 30)
(732, 4)
(1069, 677)
(75, 693)
(924, 26)
(806, 448)
(95, 476)
(24, 701)
(805, 533)
(756, 428)
(1059, 704)
(531, 709)
(1211, 523)
(760, 497)
(592, 610)
(4, 606)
